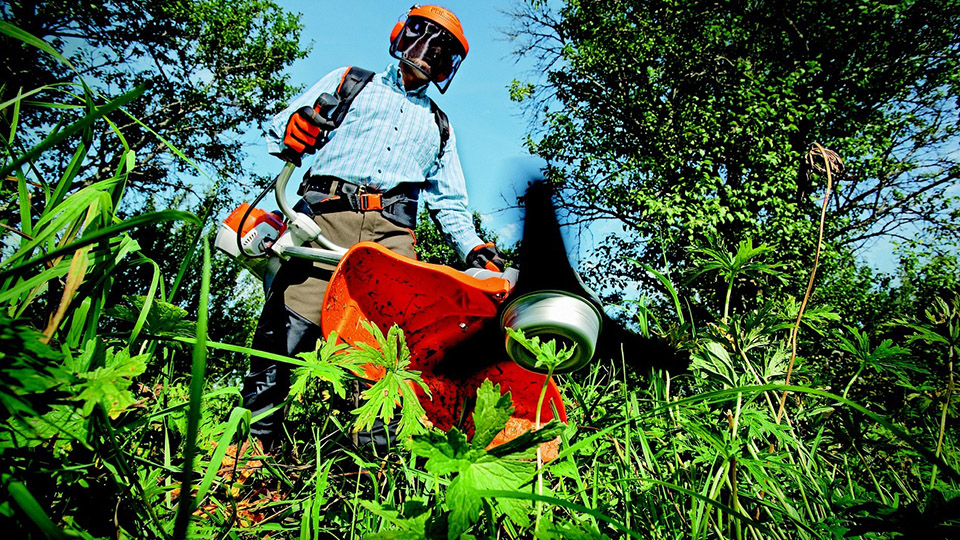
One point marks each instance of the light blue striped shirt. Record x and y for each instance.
(388, 137)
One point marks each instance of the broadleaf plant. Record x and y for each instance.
(108, 385)
(395, 387)
(323, 364)
(476, 468)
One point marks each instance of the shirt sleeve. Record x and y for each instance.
(445, 196)
(278, 125)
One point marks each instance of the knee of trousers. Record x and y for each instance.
(283, 332)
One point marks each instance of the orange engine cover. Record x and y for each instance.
(437, 308)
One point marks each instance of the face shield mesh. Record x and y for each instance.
(429, 48)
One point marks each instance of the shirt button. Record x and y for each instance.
(388, 149)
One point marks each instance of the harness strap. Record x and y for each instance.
(443, 124)
(353, 81)
(399, 205)
(330, 194)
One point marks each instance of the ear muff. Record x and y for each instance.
(395, 33)
(402, 20)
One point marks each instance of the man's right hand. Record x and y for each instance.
(301, 135)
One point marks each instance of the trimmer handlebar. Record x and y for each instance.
(301, 229)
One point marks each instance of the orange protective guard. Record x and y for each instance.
(437, 307)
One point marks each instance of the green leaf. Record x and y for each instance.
(490, 414)
(326, 365)
(163, 319)
(478, 469)
(445, 452)
(396, 386)
(579, 531)
(546, 354)
(410, 524)
(108, 384)
(487, 473)
(33, 381)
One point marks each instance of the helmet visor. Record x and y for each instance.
(429, 48)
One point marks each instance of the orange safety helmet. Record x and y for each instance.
(430, 39)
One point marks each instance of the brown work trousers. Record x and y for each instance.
(303, 284)
(290, 321)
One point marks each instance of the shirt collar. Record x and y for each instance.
(396, 78)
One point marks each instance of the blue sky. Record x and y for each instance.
(488, 126)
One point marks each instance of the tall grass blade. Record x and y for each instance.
(720, 396)
(186, 503)
(28, 38)
(670, 290)
(63, 221)
(26, 208)
(25, 500)
(188, 260)
(503, 494)
(9, 294)
(105, 233)
(147, 301)
(244, 350)
(239, 422)
(21, 97)
(61, 135)
(78, 271)
(172, 409)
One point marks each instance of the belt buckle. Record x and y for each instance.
(370, 201)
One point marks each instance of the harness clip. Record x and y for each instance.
(371, 201)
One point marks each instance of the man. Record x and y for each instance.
(364, 185)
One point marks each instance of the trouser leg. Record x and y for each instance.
(374, 227)
(266, 385)
(290, 321)
(282, 330)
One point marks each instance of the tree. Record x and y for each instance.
(689, 121)
(432, 247)
(214, 70)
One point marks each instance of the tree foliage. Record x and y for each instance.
(213, 70)
(689, 121)
(432, 246)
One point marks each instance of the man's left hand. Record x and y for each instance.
(486, 256)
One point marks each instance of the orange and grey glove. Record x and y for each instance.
(486, 256)
(303, 130)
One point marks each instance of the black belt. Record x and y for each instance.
(330, 194)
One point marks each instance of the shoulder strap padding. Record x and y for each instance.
(351, 84)
(443, 123)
